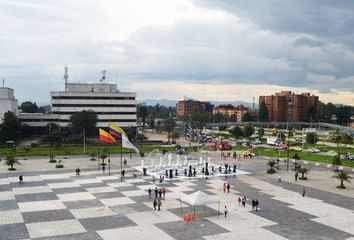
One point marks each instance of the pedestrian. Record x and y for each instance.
(153, 178)
(244, 200)
(224, 187)
(239, 201)
(160, 193)
(125, 162)
(77, 171)
(257, 203)
(303, 192)
(163, 192)
(123, 173)
(225, 211)
(253, 204)
(149, 193)
(154, 204)
(296, 176)
(234, 155)
(159, 204)
(228, 188)
(21, 179)
(103, 168)
(160, 179)
(156, 192)
(279, 178)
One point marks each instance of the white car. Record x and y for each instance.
(332, 153)
(313, 150)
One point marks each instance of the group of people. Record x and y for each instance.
(242, 201)
(159, 195)
(226, 187)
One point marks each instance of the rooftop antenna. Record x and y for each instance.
(103, 76)
(253, 103)
(66, 76)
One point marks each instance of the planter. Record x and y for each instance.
(11, 169)
(53, 161)
(59, 166)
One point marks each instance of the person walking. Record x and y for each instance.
(123, 173)
(296, 176)
(159, 204)
(279, 178)
(125, 162)
(149, 193)
(160, 193)
(21, 179)
(156, 192)
(256, 203)
(303, 192)
(225, 211)
(77, 171)
(224, 187)
(228, 188)
(239, 201)
(154, 204)
(253, 204)
(244, 200)
(163, 192)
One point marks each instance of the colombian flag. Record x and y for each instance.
(114, 130)
(106, 137)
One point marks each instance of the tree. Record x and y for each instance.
(151, 122)
(10, 161)
(175, 136)
(168, 125)
(233, 118)
(84, 120)
(342, 176)
(337, 161)
(143, 113)
(29, 107)
(271, 164)
(199, 119)
(311, 138)
(247, 117)
(10, 128)
(236, 132)
(248, 130)
(263, 112)
(260, 132)
(296, 156)
(303, 171)
(346, 139)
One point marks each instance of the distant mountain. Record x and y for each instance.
(172, 103)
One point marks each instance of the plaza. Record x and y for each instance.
(58, 204)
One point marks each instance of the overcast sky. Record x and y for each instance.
(228, 49)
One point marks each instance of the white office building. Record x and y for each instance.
(8, 102)
(104, 99)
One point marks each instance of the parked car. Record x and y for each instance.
(298, 140)
(332, 153)
(247, 154)
(313, 150)
(297, 148)
(255, 142)
(349, 156)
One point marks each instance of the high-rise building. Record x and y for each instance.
(8, 102)
(189, 106)
(229, 110)
(286, 105)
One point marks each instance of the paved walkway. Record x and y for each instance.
(57, 204)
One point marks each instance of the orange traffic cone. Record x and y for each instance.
(185, 217)
(189, 217)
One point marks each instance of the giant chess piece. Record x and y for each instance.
(176, 172)
(212, 169)
(226, 167)
(166, 173)
(229, 169)
(194, 172)
(171, 173)
(219, 168)
(206, 169)
(234, 168)
(190, 171)
(202, 169)
(185, 172)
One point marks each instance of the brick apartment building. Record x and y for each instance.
(186, 107)
(299, 107)
(229, 110)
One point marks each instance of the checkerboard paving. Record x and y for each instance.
(96, 206)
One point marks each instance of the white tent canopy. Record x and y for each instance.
(200, 198)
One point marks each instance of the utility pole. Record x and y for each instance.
(84, 140)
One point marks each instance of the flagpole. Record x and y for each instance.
(121, 160)
(109, 159)
(98, 152)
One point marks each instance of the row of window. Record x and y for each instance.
(93, 105)
(68, 120)
(99, 113)
(93, 97)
